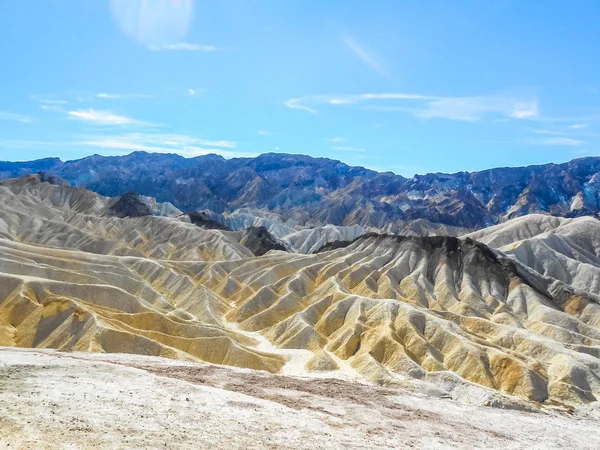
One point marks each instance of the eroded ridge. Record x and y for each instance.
(382, 307)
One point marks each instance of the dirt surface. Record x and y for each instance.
(50, 399)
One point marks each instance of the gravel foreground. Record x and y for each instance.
(50, 399)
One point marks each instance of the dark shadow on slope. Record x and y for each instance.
(259, 241)
(202, 220)
(130, 204)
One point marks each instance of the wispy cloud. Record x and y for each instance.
(15, 117)
(296, 103)
(52, 108)
(470, 109)
(194, 92)
(364, 55)
(336, 139)
(49, 103)
(579, 126)
(549, 132)
(556, 141)
(183, 46)
(184, 145)
(265, 133)
(47, 100)
(102, 117)
(221, 143)
(111, 96)
(121, 96)
(349, 149)
(475, 108)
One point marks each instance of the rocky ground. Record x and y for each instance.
(51, 399)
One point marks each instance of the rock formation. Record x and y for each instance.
(512, 308)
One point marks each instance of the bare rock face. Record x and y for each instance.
(131, 204)
(512, 310)
(314, 192)
(46, 177)
(202, 220)
(259, 241)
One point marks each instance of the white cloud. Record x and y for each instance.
(579, 126)
(336, 139)
(475, 108)
(549, 132)
(47, 101)
(427, 106)
(15, 117)
(120, 96)
(395, 96)
(340, 101)
(52, 108)
(102, 117)
(364, 55)
(194, 92)
(164, 143)
(265, 133)
(525, 111)
(349, 149)
(560, 141)
(222, 143)
(183, 46)
(296, 103)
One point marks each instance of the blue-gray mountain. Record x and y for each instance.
(314, 191)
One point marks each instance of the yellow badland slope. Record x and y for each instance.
(385, 307)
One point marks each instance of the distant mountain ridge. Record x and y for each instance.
(307, 191)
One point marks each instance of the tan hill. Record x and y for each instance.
(448, 311)
(564, 250)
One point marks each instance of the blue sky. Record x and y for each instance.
(407, 86)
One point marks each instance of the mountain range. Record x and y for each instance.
(297, 190)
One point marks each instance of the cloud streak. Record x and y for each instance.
(470, 109)
(47, 101)
(579, 126)
(121, 96)
(102, 117)
(52, 108)
(364, 55)
(549, 132)
(183, 46)
(557, 141)
(348, 149)
(296, 103)
(184, 145)
(13, 117)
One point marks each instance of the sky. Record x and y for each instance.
(401, 85)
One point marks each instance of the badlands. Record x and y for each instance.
(486, 340)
